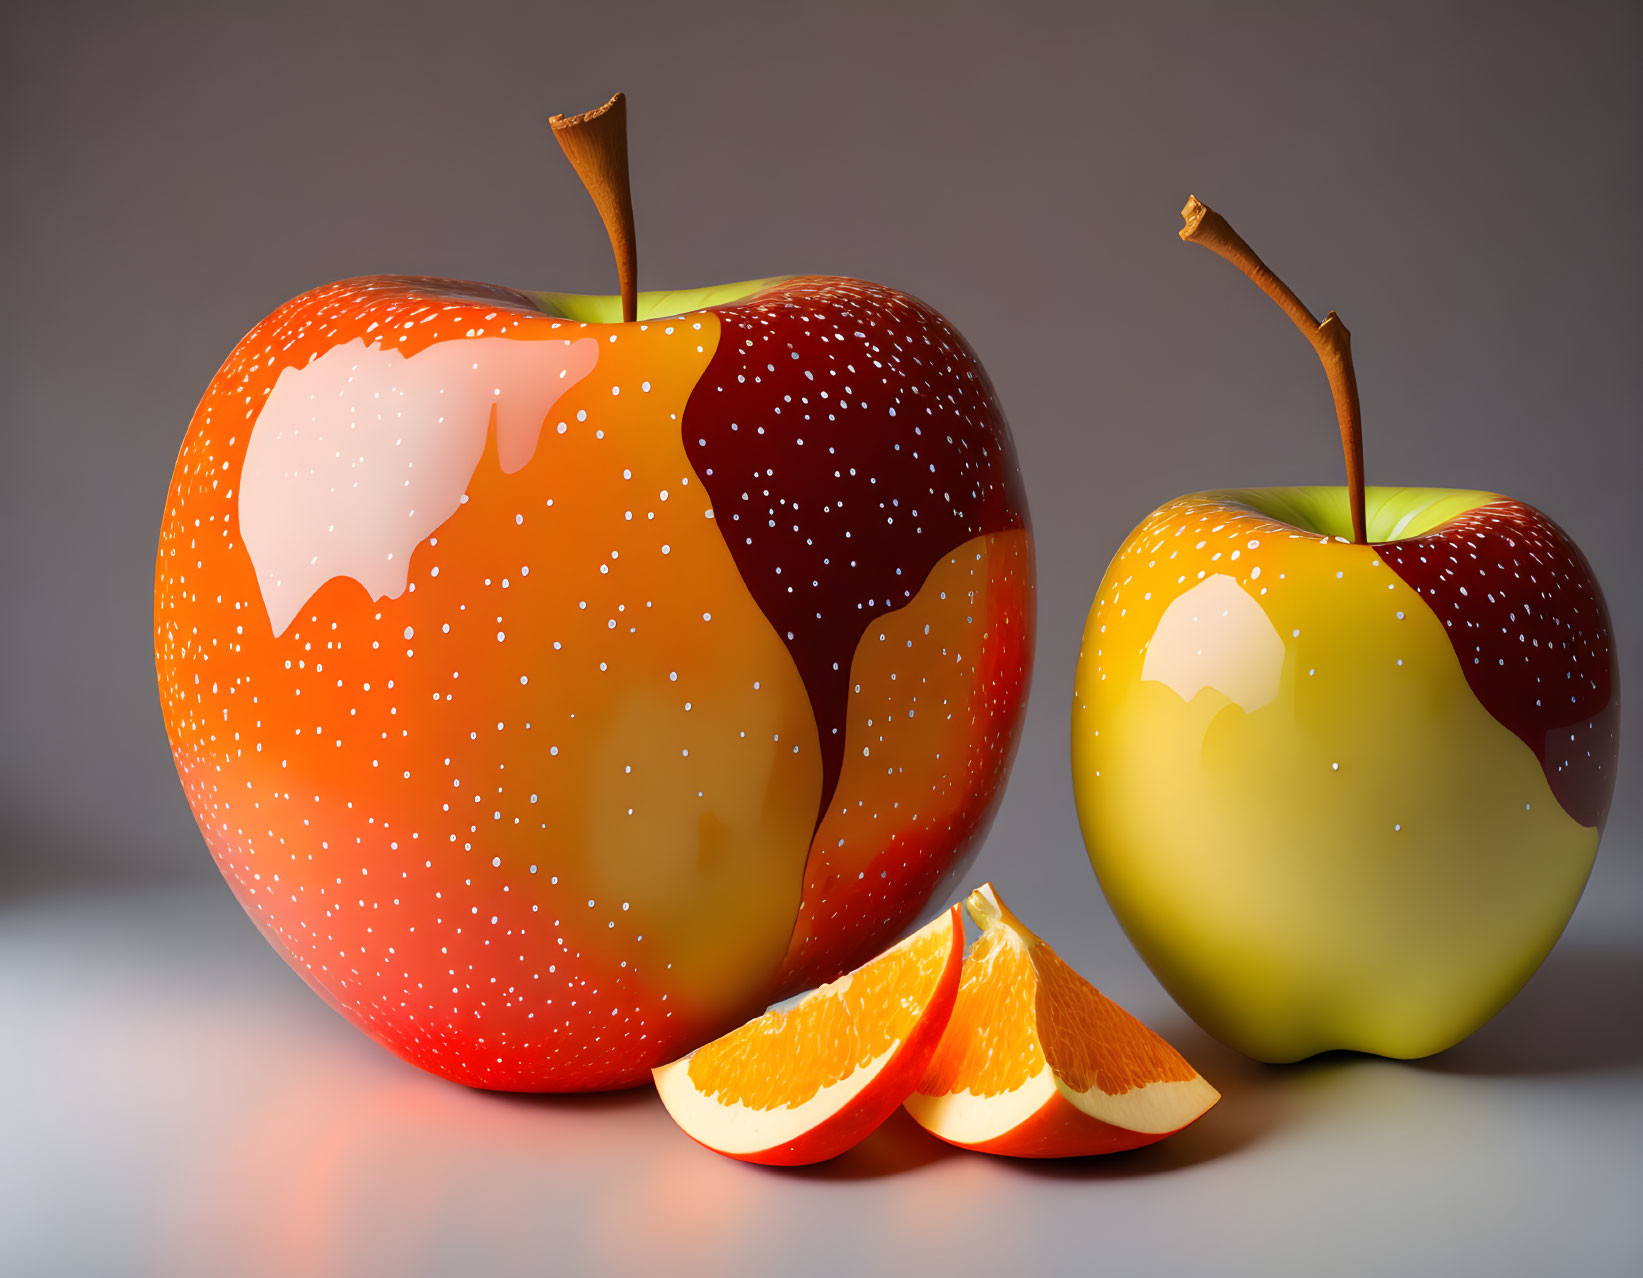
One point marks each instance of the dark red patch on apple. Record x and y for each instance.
(846, 918)
(849, 440)
(1527, 620)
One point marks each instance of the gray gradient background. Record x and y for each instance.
(1460, 182)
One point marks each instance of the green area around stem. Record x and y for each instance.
(1390, 513)
(589, 308)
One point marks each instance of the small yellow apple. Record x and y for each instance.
(1310, 824)
(1343, 755)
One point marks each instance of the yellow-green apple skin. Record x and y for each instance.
(1308, 823)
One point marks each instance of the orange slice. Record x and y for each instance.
(806, 1082)
(1038, 1063)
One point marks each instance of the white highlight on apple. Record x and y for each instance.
(1216, 636)
(362, 453)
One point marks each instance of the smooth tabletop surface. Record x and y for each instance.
(175, 1101)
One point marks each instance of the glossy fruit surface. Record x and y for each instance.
(805, 1083)
(509, 655)
(1038, 1063)
(1345, 796)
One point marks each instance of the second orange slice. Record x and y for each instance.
(806, 1082)
(1038, 1063)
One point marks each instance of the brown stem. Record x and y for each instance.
(1330, 339)
(596, 144)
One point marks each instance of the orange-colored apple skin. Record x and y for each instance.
(487, 723)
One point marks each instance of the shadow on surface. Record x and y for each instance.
(1572, 1016)
(1251, 1107)
(899, 1145)
(637, 1097)
(1578, 1013)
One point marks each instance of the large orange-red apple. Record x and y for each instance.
(553, 690)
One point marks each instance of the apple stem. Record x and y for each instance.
(596, 144)
(1330, 339)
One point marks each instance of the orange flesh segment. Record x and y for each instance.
(990, 1046)
(842, 1027)
(1037, 1062)
(1019, 1004)
(1092, 1042)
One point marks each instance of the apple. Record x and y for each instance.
(558, 679)
(1342, 756)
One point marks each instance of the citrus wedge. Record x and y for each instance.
(803, 1083)
(1037, 1063)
